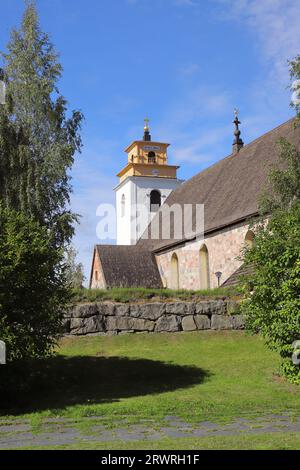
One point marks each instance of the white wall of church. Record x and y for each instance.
(124, 192)
(136, 191)
(223, 247)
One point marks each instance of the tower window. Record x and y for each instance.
(123, 205)
(155, 200)
(151, 157)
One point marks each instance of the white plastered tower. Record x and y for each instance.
(144, 184)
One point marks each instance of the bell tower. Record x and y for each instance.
(144, 184)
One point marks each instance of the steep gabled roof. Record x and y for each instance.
(234, 279)
(128, 266)
(228, 189)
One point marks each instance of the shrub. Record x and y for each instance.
(273, 290)
(32, 287)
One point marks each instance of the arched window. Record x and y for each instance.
(204, 268)
(155, 200)
(96, 275)
(151, 157)
(249, 239)
(123, 205)
(174, 272)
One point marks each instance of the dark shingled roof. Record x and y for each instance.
(229, 188)
(233, 280)
(128, 266)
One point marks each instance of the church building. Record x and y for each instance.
(229, 192)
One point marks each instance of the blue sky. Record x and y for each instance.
(185, 63)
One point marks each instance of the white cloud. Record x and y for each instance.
(204, 148)
(192, 125)
(276, 24)
(186, 2)
(195, 104)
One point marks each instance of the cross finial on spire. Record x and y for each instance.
(146, 120)
(237, 143)
(147, 136)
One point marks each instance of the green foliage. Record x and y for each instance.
(74, 271)
(283, 187)
(273, 290)
(32, 287)
(273, 307)
(143, 294)
(37, 139)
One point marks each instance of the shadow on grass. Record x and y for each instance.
(61, 381)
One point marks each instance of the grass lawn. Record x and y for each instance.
(279, 441)
(119, 294)
(200, 376)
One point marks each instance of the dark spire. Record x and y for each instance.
(237, 143)
(147, 135)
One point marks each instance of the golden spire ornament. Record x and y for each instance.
(147, 135)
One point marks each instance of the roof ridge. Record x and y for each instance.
(268, 132)
(231, 155)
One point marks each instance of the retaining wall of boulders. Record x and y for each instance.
(153, 317)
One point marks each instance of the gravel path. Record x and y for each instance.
(59, 431)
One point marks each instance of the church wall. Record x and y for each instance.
(124, 235)
(97, 280)
(223, 247)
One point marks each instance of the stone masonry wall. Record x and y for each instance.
(152, 317)
(224, 249)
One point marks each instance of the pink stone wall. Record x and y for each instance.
(224, 248)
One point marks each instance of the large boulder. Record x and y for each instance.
(65, 325)
(84, 326)
(121, 310)
(85, 310)
(219, 322)
(188, 323)
(202, 322)
(211, 307)
(135, 310)
(106, 308)
(168, 323)
(180, 308)
(239, 322)
(128, 324)
(152, 311)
